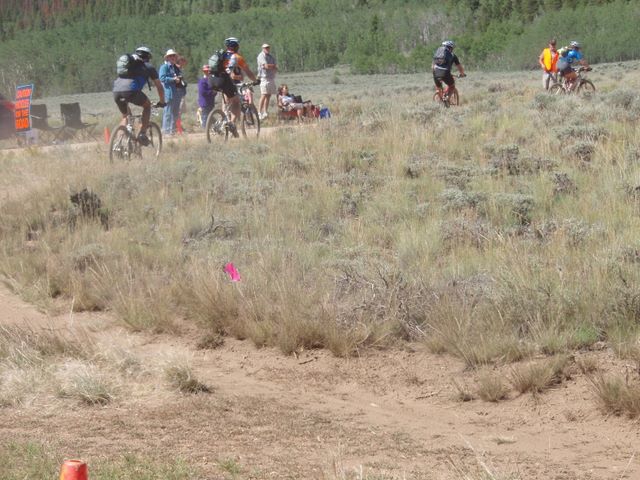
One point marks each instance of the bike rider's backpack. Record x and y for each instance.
(440, 57)
(215, 62)
(124, 64)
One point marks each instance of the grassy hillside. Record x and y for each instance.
(77, 52)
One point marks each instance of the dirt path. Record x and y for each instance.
(287, 417)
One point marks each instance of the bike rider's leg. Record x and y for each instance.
(146, 115)
(234, 105)
(438, 83)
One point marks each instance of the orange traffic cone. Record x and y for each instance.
(74, 470)
(179, 126)
(107, 135)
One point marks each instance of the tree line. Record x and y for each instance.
(69, 46)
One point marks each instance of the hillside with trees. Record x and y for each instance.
(66, 46)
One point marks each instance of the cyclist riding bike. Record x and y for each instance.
(568, 56)
(127, 88)
(443, 61)
(233, 65)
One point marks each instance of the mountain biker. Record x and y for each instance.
(568, 56)
(128, 89)
(548, 61)
(443, 60)
(233, 64)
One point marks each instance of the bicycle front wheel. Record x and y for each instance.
(250, 121)
(586, 87)
(155, 138)
(454, 98)
(119, 144)
(215, 126)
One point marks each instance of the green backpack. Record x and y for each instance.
(215, 62)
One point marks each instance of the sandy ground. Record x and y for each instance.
(391, 412)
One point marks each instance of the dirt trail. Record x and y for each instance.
(288, 417)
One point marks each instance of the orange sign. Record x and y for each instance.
(23, 108)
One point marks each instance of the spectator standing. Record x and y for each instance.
(181, 90)
(267, 68)
(170, 77)
(548, 61)
(206, 95)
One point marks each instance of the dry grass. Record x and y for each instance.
(378, 227)
(616, 396)
(180, 377)
(540, 376)
(491, 388)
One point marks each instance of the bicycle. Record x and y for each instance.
(450, 96)
(219, 122)
(580, 86)
(250, 117)
(124, 143)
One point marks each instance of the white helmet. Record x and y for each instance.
(143, 52)
(574, 44)
(448, 44)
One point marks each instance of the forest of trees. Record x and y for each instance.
(67, 46)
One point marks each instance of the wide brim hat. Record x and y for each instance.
(170, 52)
(265, 45)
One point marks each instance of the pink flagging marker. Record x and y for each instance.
(233, 273)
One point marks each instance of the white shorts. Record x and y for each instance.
(268, 87)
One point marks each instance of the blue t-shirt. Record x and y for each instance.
(140, 73)
(573, 56)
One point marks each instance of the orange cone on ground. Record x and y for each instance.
(179, 125)
(74, 470)
(107, 135)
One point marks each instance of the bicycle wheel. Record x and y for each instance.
(119, 144)
(586, 87)
(250, 121)
(155, 139)
(215, 126)
(454, 98)
(556, 89)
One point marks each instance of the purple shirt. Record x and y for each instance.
(206, 94)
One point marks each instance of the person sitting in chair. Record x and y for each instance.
(288, 102)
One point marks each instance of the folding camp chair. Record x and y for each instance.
(72, 123)
(39, 121)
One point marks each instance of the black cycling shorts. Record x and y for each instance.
(223, 84)
(445, 76)
(122, 99)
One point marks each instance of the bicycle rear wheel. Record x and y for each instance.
(155, 139)
(556, 89)
(215, 126)
(586, 87)
(250, 121)
(119, 144)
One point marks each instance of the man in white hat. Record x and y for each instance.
(267, 68)
(170, 77)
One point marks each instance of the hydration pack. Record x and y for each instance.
(124, 65)
(215, 62)
(440, 57)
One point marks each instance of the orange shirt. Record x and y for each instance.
(234, 60)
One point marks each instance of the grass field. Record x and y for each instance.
(503, 232)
